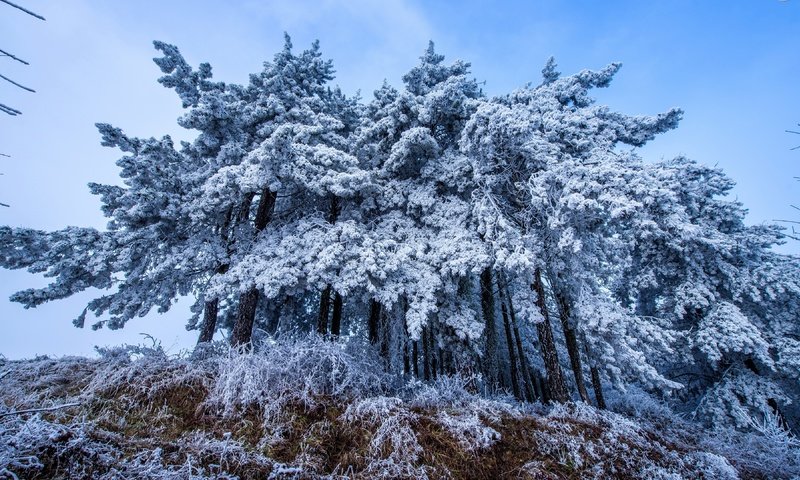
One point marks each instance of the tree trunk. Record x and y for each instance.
(211, 307)
(373, 321)
(324, 311)
(325, 299)
(450, 368)
(535, 387)
(266, 206)
(556, 387)
(530, 386)
(333, 213)
(384, 336)
(248, 301)
(426, 354)
(415, 358)
(572, 346)
(597, 387)
(406, 360)
(544, 389)
(209, 326)
(243, 328)
(490, 351)
(336, 320)
(432, 350)
(244, 209)
(512, 357)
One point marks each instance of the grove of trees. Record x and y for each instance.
(520, 238)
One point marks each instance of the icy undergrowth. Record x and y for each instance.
(321, 409)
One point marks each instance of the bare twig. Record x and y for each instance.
(4, 155)
(15, 83)
(795, 132)
(34, 410)
(4, 374)
(6, 54)
(11, 111)
(23, 9)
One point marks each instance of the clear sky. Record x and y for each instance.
(732, 65)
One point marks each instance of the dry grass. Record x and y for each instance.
(156, 417)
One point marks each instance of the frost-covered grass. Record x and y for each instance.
(320, 409)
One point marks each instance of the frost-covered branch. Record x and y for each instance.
(37, 410)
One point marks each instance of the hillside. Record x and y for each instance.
(317, 409)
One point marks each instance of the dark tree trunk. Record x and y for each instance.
(384, 336)
(535, 386)
(324, 311)
(415, 358)
(512, 357)
(209, 326)
(325, 298)
(265, 208)
(243, 215)
(248, 301)
(434, 360)
(490, 350)
(333, 213)
(211, 307)
(406, 360)
(336, 320)
(426, 354)
(374, 321)
(556, 387)
(572, 345)
(597, 387)
(243, 328)
(530, 386)
(450, 367)
(544, 389)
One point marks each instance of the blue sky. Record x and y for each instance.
(733, 66)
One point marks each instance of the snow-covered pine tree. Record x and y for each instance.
(696, 265)
(548, 171)
(273, 149)
(419, 216)
(304, 159)
(151, 252)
